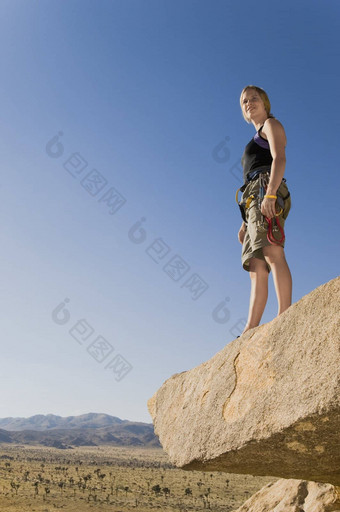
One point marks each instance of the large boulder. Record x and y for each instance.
(293, 496)
(267, 404)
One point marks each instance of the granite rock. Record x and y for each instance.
(294, 496)
(268, 403)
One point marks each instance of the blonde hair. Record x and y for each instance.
(263, 96)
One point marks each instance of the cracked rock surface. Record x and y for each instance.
(267, 404)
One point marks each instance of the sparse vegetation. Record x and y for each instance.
(115, 479)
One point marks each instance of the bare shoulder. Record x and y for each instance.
(272, 127)
(272, 122)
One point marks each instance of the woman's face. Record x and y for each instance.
(252, 104)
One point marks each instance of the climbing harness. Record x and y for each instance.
(265, 225)
(241, 205)
(249, 200)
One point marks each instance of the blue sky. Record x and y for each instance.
(116, 113)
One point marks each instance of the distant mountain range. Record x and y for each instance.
(50, 421)
(85, 430)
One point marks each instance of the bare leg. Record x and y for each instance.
(275, 257)
(259, 292)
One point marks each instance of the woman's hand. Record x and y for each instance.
(241, 233)
(268, 207)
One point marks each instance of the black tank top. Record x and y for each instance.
(256, 154)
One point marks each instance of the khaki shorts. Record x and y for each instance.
(256, 234)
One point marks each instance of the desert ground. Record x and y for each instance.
(42, 479)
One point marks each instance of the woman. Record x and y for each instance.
(265, 203)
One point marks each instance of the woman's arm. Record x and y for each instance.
(242, 232)
(276, 136)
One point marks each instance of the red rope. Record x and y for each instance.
(270, 235)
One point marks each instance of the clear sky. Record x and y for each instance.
(121, 139)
